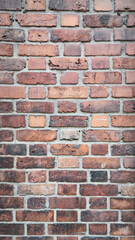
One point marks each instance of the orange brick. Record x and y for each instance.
(102, 5)
(124, 5)
(6, 49)
(37, 121)
(12, 92)
(5, 19)
(99, 92)
(69, 20)
(69, 162)
(36, 64)
(123, 121)
(36, 20)
(38, 35)
(37, 93)
(103, 49)
(130, 48)
(100, 121)
(68, 92)
(35, 5)
(38, 50)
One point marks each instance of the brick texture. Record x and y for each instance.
(67, 75)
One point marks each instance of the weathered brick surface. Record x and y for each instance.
(67, 74)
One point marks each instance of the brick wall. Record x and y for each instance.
(67, 118)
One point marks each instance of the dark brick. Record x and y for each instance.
(6, 78)
(128, 216)
(68, 121)
(11, 202)
(107, 106)
(98, 203)
(6, 189)
(12, 229)
(12, 35)
(6, 107)
(35, 107)
(98, 190)
(67, 176)
(36, 203)
(102, 20)
(98, 176)
(64, 5)
(35, 162)
(6, 135)
(12, 64)
(12, 176)
(38, 149)
(66, 229)
(13, 5)
(99, 216)
(6, 162)
(129, 106)
(12, 149)
(36, 78)
(123, 149)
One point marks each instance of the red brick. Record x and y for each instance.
(124, 6)
(12, 176)
(128, 216)
(12, 64)
(35, 5)
(6, 135)
(36, 203)
(124, 34)
(100, 136)
(6, 107)
(6, 189)
(122, 149)
(35, 107)
(38, 50)
(81, 5)
(66, 229)
(131, 20)
(98, 190)
(11, 202)
(68, 121)
(37, 121)
(36, 78)
(12, 92)
(129, 136)
(70, 35)
(14, 121)
(68, 63)
(98, 203)
(12, 35)
(35, 216)
(5, 19)
(128, 190)
(122, 203)
(102, 78)
(36, 63)
(69, 149)
(11, 5)
(36, 189)
(102, 20)
(123, 121)
(6, 78)
(35, 162)
(67, 106)
(72, 50)
(37, 93)
(66, 216)
(107, 106)
(6, 162)
(127, 238)
(5, 216)
(130, 77)
(102, 35)
(37, 176)
(101, 49)
(103, 5)
(68, 92)
(38, 35)
(69, 78)
(99, 149)
(38, 150)
(122, 229)
(129, 162)
(67, 189)
(101, 163)
(35, 229)
(123, 63)
(129, 106)
(98, 229)
(11, 229)
(99, 216)
(6, 49)
(67, 176)
(101, 63)
(36, 20)
(70, 20)
(123, 91)
(122, 177)
(68, 162)
(36, 135)
(130, 48)
(99, 92)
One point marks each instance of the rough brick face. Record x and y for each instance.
(67, 74)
